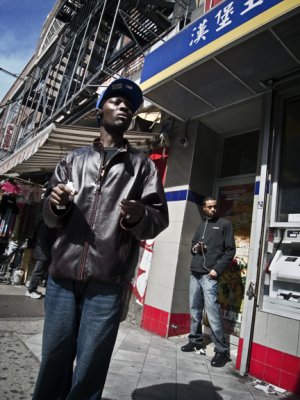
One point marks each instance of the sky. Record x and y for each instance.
(21, 24)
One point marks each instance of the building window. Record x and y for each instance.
(281, 271)
(240, 154)
(288, 204)
(52, 32)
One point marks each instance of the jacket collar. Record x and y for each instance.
(98, 146)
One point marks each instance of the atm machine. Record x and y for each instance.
(285, 269)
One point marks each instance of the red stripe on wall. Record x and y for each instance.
(273, 366)
(179, 324)
(163, 323)
(239, 353)
(155, 320)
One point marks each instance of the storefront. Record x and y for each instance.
(228, 87)
(270, 331)
(231, 81)
(20, 212)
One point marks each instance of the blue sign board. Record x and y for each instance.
(211, 26)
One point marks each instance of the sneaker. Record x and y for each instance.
(201, 351)
(191, 347)
(44, 283)
(220, 359)
(34, 295)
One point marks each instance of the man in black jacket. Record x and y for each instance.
(105, 198)
(44, 239)
(213, 248)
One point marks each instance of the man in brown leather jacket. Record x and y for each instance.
(105, 198)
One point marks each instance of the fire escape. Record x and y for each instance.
(92, 41)
(98, 40)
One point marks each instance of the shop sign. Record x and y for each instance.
(8, 136)
(222, 19)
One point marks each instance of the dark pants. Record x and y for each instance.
(39, 272)
(81, 321)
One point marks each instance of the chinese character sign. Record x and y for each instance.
(199, 32)
(216, 23)
(224, 18)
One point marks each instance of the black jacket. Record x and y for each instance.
(217, 236)
(92, 243)
(44, 240)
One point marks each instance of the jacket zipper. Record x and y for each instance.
(202, 238)
(93, 213)
(92, 217)
(204, 230)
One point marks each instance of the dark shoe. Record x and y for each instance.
(191, 347)
(220, 359)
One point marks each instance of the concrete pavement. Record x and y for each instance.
(143, 366)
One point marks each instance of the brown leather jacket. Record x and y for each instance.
(92, 243)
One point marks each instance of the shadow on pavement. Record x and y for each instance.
(291, 396)
(195, 390)
(16, 306)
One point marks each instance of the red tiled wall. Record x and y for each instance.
(155, 320)
(239, 353)
(158, 322)
(179, 324)
(273, 366)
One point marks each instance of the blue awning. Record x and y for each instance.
(224, 57)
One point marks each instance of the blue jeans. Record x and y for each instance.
(81, 324)
(204, 291)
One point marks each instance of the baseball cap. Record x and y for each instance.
(122, 87)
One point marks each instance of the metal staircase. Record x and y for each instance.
(93, 41)
(99, 39)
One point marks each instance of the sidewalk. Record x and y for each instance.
(143, 366)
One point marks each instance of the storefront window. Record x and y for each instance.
(288, 205)
(235, 195)
(240, 154)
(235, 204)
(281, 275)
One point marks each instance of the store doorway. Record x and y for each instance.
(235, 189)
(236, 203)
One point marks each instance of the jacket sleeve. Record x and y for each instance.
(229, 250)
(54, 218)
(195, 239)
(156, 217)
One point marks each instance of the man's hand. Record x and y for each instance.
(60, 195)
(132, 211)
(199, 248)
(212, 274)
